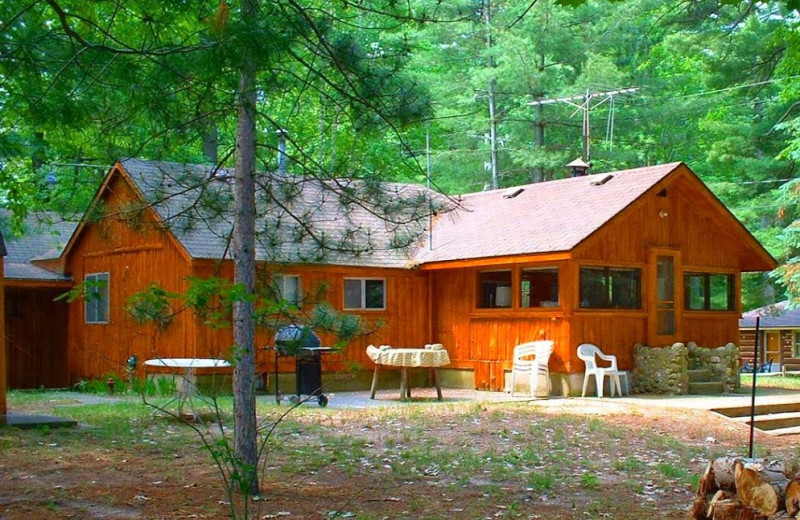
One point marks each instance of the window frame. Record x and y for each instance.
(543, 268)
(480, 283)
(363, 293)
(92, 303)
(706, 276)
(607, 303)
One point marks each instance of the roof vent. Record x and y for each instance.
(600, 182)
(223, 175)
(512, 192)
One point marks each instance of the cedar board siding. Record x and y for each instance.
(34, 335)
(403, 323)
(484, 339)
(701, 239)
(135, 253)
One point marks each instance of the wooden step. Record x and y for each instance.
(793, 430)
(761, 409)
(706, 388)
(773, 421)
(699, 375)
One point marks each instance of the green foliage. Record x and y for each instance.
(152, 305)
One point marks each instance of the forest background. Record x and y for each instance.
(713, 84)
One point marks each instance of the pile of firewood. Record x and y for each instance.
(747, 489)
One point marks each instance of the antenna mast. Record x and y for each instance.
(585, 106)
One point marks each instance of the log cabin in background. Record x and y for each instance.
(778, 337)
(646, 255)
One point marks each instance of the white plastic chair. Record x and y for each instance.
(588, 352)
(532, 359)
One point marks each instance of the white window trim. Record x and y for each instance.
(363, 306)
(93, 277)
(280, 281)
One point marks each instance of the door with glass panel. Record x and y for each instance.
(664, 298)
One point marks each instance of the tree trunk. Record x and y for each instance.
(245, 431)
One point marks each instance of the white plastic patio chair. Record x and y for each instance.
(532, 359)
(588, 353)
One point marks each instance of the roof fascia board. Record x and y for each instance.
(497, 260)
(28, 283)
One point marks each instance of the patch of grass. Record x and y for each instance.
(589, 481)
(628, 464)
(777, 381)
(672, 471)
(540, 480)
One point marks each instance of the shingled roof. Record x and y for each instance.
(43, 237)
(300, 220)
(775, 316)
(536, 218)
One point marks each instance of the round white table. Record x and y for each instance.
(186, 368)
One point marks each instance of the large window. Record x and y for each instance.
(494, 289)
(709, 292)
(539, 287)
(364, 293)
(288, 288)
(610, 288)
(96, 297)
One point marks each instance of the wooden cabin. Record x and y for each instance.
(35, 322)
(647, 255)
(778, 336)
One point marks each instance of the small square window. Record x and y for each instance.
(709, 292)
(610, 288)
(539, 287)
(364, 293)
(96, 300)
(494, 289)
(289, 288)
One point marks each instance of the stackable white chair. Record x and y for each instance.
(589, 354)
(531, 360)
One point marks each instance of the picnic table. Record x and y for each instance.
(431, 357)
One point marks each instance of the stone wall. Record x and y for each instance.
(721, 362)
(663, 370)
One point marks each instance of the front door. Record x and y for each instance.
(772, 349)
(664, 297)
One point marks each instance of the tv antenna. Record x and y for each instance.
(585, 103)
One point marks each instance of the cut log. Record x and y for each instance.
(793, 497)
(732, 509)
(700, 508)
(719, 496)
(760, 488)
(708, 482)
(724, 472)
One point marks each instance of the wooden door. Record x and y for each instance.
(664, 297)
(772, 349)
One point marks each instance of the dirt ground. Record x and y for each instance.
(576, 459)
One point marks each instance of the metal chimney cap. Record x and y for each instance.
(579, 163)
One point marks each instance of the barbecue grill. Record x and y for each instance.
(305, 346)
